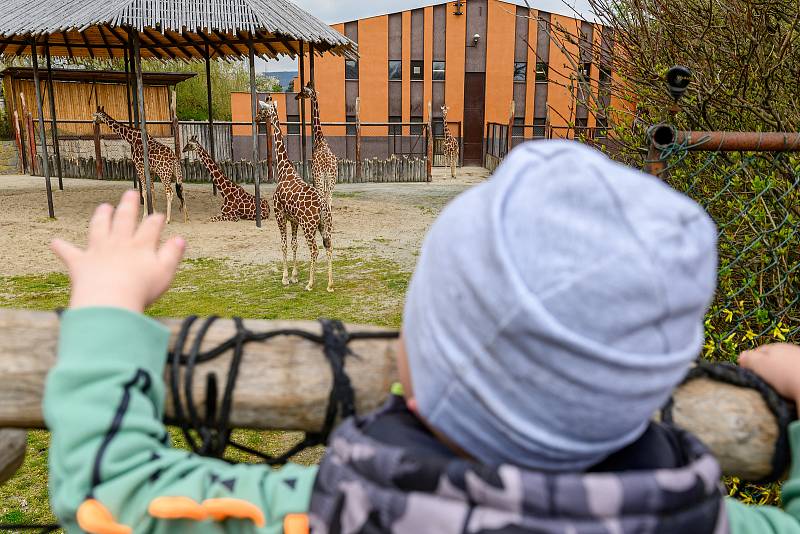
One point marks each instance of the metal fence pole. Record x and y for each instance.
(210, 113)
(302, 102)
(137, 67)
(254, 113)
(53, 125)
(42, 136)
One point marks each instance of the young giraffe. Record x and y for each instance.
(450, 144)
(324, 165)
(299, 203)
(163, 161)
(236, 202)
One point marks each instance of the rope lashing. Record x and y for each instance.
(211, 436)
(784, 411)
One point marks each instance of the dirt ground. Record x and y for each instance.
(387, 220)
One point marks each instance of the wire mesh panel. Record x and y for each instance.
(753, 198)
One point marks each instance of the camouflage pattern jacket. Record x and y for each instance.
(367, 486)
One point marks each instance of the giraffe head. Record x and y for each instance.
(100, 116)
(445, 109)
(307, 92)
(192, 145)
(267, 110)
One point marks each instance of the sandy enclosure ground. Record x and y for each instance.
(386, 220)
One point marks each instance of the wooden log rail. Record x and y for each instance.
(284, 383)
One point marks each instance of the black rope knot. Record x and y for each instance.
(211, 435)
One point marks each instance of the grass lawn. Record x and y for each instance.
(368, 291)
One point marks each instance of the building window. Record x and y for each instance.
(539, 128)
(350, 69)
(602, 128)
(581, 127)
(351, 124)
(541, 71)
(395, 130)
(605, 75)
(293, 129)
(417, 128)
(520, 71)
(438, 128)
(395, 69)
(586, 71)
(417, 70)
(519, 127)
(438, 71)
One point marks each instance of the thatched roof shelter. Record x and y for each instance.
(168, 29)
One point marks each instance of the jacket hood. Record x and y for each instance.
(364, 486)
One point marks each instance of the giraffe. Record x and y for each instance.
(163, 161)
(298, 203)
(450, 144)
(324, 165)
(236, 202)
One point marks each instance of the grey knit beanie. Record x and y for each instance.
(555, 307)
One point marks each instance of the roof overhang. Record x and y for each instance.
(100, 76)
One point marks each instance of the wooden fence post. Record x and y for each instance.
(173, 115)
(358, 137)
(98, 154)
(429, 148)
(30, 136)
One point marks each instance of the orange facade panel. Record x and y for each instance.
(240, 111)
(329, 75)
(455, 56)
(373, 84)
(500, 39)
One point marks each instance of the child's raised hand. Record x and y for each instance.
(779, 365)
(122, 265)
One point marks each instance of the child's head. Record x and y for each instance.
(555, 307)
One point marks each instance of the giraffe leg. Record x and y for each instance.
(453, 166)
(310, 234)
(294, 253)
(280, 218)
(140, 173)
(178, 171)
(168, 196)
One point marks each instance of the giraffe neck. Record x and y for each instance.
(217, 176)
(317, 125)
(447, 133)
(280, 149)
(127, 133)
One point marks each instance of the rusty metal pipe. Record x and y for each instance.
(664, 135)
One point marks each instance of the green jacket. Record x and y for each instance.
(104, 403)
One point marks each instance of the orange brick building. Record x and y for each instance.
(488, 60)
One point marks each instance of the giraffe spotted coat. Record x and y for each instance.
(450, 144)
(298, 203)
(163, 161)
(236, 202)
(324, 165)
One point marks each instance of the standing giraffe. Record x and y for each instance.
(450, 144)
(299, 203)
(163, 161)
(236, 202)
(324, 165)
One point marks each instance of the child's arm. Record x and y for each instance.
(778, 365)
(112, 470)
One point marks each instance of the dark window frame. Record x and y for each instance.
(416, 129)
(604, 75)
(293, 129)
(542, 71)
(518, 128)
(395, 129)
(586, 70)
(539, 128)
(350, 129)
(398, 71)
(349, 66)
(418, 63)
(520, 68)
(443, 71)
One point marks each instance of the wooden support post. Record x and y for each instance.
(29, 135)
(137, 67)
(42, 135)
(429, 142)
(173, 113)
(210, 108)
(98, 154)
(254, 115)
(313, 84)
(358, 138)
(53, 120)
(302, 102)
(129, 105)
(20, 147)
(734, 422)
(270, 171)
